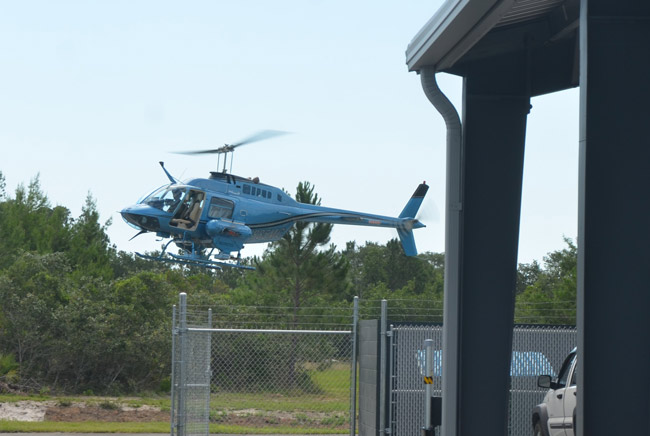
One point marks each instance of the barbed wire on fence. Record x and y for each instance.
(340, 317)
(279, 317)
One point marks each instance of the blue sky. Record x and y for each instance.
(95, 93)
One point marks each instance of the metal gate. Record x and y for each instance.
(536, 350)
(407, 390)
(226, 360)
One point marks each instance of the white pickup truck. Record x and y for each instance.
(556, 415)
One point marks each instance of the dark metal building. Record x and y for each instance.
(508, 51)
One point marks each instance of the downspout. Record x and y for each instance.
(453, 252)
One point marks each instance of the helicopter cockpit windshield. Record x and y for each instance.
(166, 198)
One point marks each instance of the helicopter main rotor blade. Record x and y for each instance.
(213, 151)
(259, 136)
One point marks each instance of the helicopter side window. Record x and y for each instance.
(247, 189)
(279, 197)
(220, 208)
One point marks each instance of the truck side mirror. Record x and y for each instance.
(544, 381)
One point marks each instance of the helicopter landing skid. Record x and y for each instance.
(194, 261)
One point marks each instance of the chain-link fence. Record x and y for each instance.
(263, 367)
(283, 367)
(536, 350)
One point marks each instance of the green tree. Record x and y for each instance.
(374, 264)
(527, 275)
(32, 290)
(3, 186)
(551, 298)
(90, 250)
(29, 223)
(84, 333)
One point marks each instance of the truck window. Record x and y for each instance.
(574, 376)
(564, 371)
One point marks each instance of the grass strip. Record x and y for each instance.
(145, 427)
(83, 427)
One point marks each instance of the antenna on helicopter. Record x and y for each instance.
(230, 148)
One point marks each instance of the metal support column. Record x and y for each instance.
(494, 124)
(614, 211)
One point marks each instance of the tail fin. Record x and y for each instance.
(413, 205)
(408, 214)
(408, 242)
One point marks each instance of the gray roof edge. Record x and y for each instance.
(452, 31)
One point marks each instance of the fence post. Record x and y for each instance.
(428, 386)
(391, 377)
(173, 389)
(353, 373)
(382, 366)
(208, 375)
(182, 374)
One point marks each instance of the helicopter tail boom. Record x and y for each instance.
(404, 224)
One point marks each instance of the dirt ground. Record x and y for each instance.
(75, 412)
(93, 413)
(113, 411)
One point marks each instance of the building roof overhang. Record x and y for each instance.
(465, 31)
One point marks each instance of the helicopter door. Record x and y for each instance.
(188, 214)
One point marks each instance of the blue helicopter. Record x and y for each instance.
(209, 219)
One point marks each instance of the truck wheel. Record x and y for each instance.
(537, 431)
